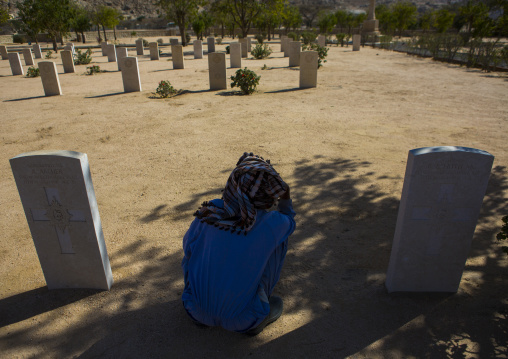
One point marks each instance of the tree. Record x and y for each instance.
(108, 17)
(310, 12)
(326, 22)
(4, 15)
(443, 20)
(244, 12)
(80, 21)
(181, 12)
(291, 18)
(220, 12)
(386, 18)
(426, 20)
(198, 26)
(474, 15)
(29, 12)
(404, 14)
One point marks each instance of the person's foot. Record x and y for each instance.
(276, 306)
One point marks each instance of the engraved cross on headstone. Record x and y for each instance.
(60, 217)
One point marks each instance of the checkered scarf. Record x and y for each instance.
(253, 184)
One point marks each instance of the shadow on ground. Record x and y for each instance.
(334, 272)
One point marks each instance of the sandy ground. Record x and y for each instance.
(342, 147)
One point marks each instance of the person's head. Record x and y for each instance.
(254, 184)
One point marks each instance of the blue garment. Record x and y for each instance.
(229, 277)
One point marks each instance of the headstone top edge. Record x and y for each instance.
(61, 153)
(441, 149)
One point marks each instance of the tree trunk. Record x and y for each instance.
(55, 47)
(104, 31)
(222, 31)
(99, 33)
(114, 31)
(182, 35)
(83, 37)
(61, 40)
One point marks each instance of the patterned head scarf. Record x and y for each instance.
(253, 184)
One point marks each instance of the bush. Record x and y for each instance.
(340, 38)
(83, 58)
(165, 89)
(261, 51)
(259, 38)
(219, 40)
(228, 49)
(145, 42)
(187, 38)
(159, 41)
(18, 39)
(48, 54)
(246, 79)
(294, 36)
(503, 235)
(321, 50)
(133, 33)
(95, 69)
(33, 72)
(308, 37)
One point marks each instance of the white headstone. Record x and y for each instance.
(249, 44)
(104, 49)
(69, 47)
(111, 52)
(286, 41)
(15, 62)
(308, 69)
(3, 52)
(154, 50)
(177, 57)
(198, 49)
(217, 71)
(321, 40)
(67, 61)
(282, 43)
(121, 52)
(37, 51)
(356, 42)
(130, 74)
(49, 77)
(294, 53)
(58, 198)
(211, 44)
(243, 43)
(139, 47)
(441, 200)
(235, 52)
(27, 55)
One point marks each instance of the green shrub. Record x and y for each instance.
(246, 79)
(165, 89)
(133, 33)
(159, 41)
(259, 38)
(219, 40)
(33, 72)
(294, 36)
(95, 69)
(145, 42)
(48, 54)
(261, 51)
(321, 50)
(308, 37)
(187, 38)
(228, 49)
(18, 39)
(503, 235)
(83, 58)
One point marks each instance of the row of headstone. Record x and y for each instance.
(440, 204)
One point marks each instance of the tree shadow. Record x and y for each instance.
(333, 280)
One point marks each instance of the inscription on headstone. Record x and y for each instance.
(308, 69)
(130, 74)
(49, 77)
(58, 198)
(441, 200)
(217, 71)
